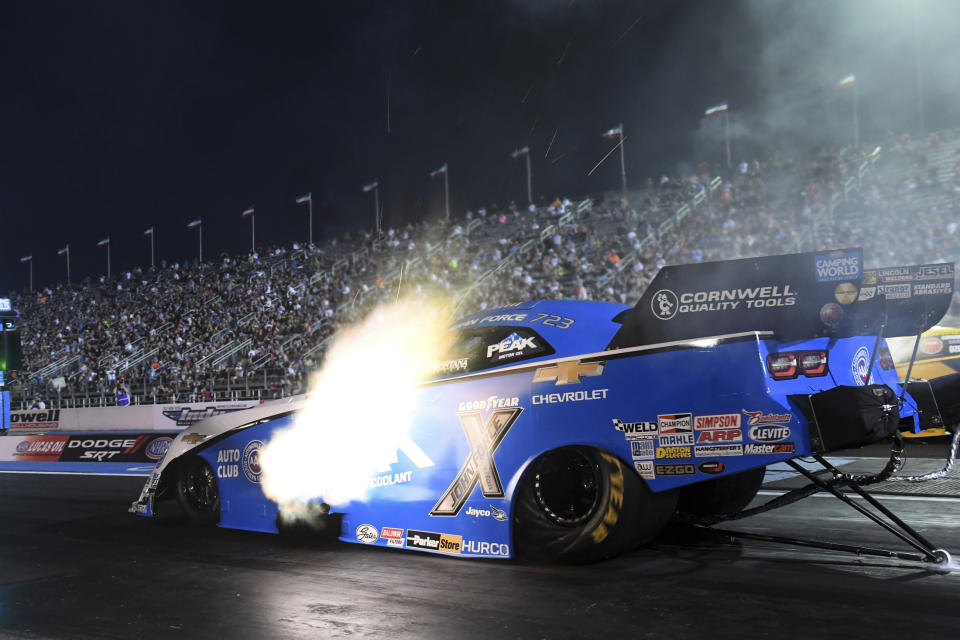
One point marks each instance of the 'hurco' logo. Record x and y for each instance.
(568, 372)
(664, 304)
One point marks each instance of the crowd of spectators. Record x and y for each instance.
(259, 321)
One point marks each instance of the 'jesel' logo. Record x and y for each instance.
(479, 467)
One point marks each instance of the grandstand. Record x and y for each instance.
(253, 326)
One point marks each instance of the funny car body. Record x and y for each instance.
(575, 430)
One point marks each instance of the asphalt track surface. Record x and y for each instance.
(74, 564)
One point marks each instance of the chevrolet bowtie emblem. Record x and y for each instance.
(568, 372)
(193, 438)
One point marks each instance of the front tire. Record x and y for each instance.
(579, 504)
(197, 491)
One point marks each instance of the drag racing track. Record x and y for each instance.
(74, 564)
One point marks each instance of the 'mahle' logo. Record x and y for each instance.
(479, 467)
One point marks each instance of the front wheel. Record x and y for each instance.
(579, 504)
(197, 491)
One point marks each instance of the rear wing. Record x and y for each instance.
(797, 296)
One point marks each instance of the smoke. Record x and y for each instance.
(361, 405)
(793, 53)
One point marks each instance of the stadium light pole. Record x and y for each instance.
(248, 213)
(613, 134)
(525, 151)
(66, 251)
(443, 171)
(149, 233)
(725, 110)
(106, 243)
(307, 199)
(375, 187)
(29, 259)
(198, 225)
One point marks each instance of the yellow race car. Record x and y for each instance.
(938, 355)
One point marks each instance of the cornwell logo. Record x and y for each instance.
(186, 416)
(665, 304)
(484, 438)
(568, 372)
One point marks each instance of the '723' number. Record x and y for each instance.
(553, 321)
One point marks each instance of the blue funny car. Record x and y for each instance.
(575, 430)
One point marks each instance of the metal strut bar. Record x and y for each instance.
(904, 533)
(832, 546)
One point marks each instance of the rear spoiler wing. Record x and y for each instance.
(797, 296)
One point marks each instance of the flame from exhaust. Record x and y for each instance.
(360, 406)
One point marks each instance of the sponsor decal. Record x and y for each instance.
(390, 479)
(493, 402)
(185, 416)
(932, 288)
(158, 448)
(665, 304)
(895, 274)
(769, 433)
(393, 536)
(758, 449)
(450, 543)
(720, 435)
(34, 419)
(40, 448)
(673, 452)
(845, 293)
(444, 367)
(510, 347)
(758, 417)
(492, 512)
(675, 470)
(894, 291)
(861, 360)
(634, 430)
(367, 534)
(252, 468)
(712, 466)
(867, 293)
(935, 271)
(482, 548)
(121, 447)
(228, 463)
(568, 372)
(483, 438)
(675, 423)
(423, 540)
(641, 448)
(837, 265)
(931, 345)
(645, 469)
(710, 451)
(676, 440)
(717, 421)
(570, 396)
(193, 438)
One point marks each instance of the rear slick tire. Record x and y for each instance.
(579, 504)
(197, 491)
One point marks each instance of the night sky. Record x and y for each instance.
(117, 115)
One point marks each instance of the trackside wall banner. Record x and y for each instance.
(93, 447)
(143, 417)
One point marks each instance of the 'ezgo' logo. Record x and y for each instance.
(664, 304)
